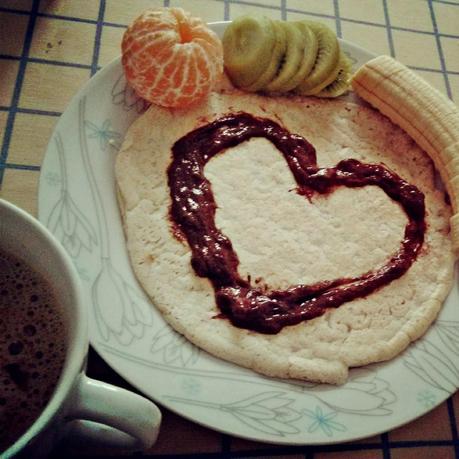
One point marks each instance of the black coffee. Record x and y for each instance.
(32, 347)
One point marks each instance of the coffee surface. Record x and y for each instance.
(32, 346)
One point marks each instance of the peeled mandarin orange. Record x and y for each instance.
(171, 58)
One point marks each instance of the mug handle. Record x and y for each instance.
(109, 415)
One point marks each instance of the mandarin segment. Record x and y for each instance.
(171, 58)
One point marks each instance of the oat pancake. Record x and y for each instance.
(282, 239)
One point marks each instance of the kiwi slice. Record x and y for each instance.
(311, 45)
(324, 83)
(325, 68)
(341, 83)
(278, 53)
(247, 48)
(291, 60)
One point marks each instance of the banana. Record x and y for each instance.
(430, 118)
(452, 165)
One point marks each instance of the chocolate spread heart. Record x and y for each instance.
(193, 214)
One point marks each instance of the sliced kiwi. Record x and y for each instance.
(341, 83)
(324, 83)
(292, 59)
(325, 68)
(247, 47)
(311, 45)
(278, 52)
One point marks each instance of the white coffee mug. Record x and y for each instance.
(80, 407)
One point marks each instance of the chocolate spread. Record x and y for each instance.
(193, 215)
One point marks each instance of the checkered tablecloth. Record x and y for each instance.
(50, 48)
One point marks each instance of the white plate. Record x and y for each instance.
(77, 202)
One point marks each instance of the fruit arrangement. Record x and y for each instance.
(424, 113)
(273, 56)
(171, 58)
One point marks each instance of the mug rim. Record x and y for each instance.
(77, 348)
